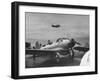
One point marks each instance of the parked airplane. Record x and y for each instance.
(62, 45)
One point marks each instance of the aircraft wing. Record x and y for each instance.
(32, 51)
(84, 49)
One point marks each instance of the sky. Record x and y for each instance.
(38, 25)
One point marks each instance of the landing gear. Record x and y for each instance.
(57, 57)
(72, 53)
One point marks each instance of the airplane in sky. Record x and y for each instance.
(59, 49)
(55, 25)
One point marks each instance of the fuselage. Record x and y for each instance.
(60, 45)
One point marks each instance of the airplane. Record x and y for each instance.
(55, 26)
(59, 49)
